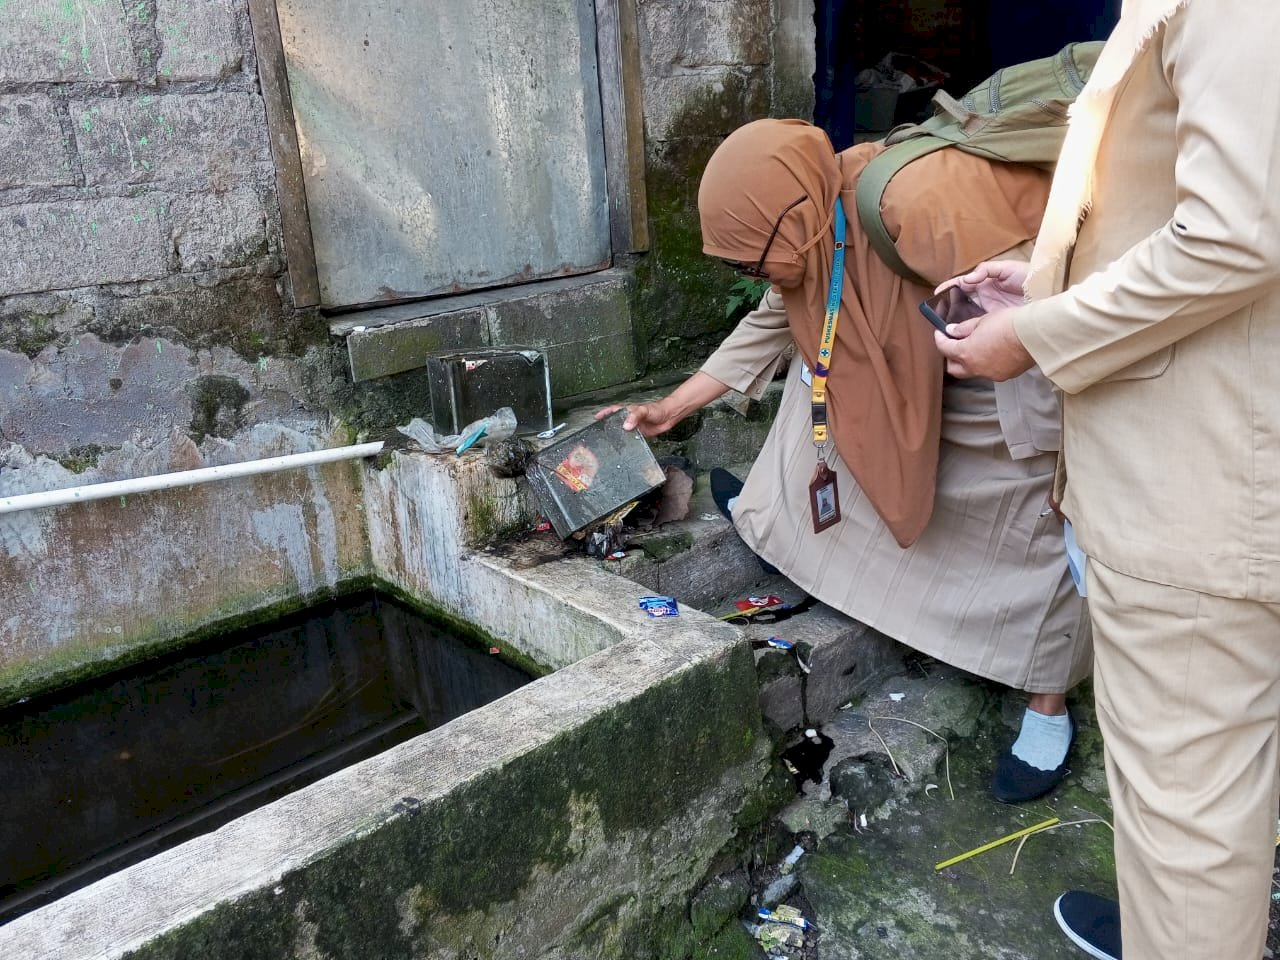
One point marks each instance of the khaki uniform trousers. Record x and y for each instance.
(1188, 696)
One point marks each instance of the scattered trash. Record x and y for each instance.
(660, 606)
(779, 889)
(549, 434)
(928, 787)
(896, 697)
(774, 937)
(768, 614)
(542, 527)
(588, 475)
(996, 843)
(784, 914)
(807, 758)
(780, 644)
(862, 821)
(792, 858)
(758, 603)
(359, 329)
(500, 425)
(609, 536)
(710, 516)
(617, 555)
(847, 706)
(494, 650)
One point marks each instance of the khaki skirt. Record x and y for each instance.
(985, 588)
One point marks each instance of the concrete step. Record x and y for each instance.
(704, 564)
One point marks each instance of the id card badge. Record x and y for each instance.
(824, 498)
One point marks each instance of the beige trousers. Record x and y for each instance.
(1188, 696)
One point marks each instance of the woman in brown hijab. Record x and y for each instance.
(945, 541)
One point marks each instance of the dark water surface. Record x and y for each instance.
(106, 773)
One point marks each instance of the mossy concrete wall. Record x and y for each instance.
(92, 585)
(708, 67)
(571, 819)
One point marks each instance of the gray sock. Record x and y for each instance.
(1043, 741)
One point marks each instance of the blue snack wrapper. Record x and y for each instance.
(660, 606)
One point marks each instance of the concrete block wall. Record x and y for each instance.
(138, 215)
(145, 327)
(708, 67)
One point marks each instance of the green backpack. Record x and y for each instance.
(1017, 115)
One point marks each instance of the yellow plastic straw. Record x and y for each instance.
(996, 843)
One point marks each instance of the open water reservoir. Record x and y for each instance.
(100, 775)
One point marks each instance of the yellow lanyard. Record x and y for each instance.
(821, 369)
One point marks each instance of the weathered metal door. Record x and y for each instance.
(447, 144)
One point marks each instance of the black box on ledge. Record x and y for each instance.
(467, 386)
(588, 475)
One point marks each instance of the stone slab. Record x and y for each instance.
(66, 41)
(590, 364)
(33, 150)
(80, 243)
(211, 139)
(484, 202)
(198, 40)
(380, 351)
(218, 230)
(698, 33)
(569, 313)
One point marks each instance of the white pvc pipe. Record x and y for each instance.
(183, 478)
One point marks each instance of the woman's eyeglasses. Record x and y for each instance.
(757, 271)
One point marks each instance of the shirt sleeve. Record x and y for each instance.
(749, 357)
(1221, 249)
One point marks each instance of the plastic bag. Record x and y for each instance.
(499, 425)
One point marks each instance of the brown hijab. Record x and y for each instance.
(947, 212)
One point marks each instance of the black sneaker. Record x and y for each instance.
(1091, 922)
(1016, 781)
(724, 487)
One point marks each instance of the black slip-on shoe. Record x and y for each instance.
(1016, 781)
(1091, 922)
(724, 487)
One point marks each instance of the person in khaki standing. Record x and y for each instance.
(1155, 307)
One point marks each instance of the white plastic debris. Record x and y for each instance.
(499, 426)
(895, 697)
(792, 858)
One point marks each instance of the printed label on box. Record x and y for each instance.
(578, 470)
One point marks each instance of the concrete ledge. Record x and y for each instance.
(590, 801)
(583, 323)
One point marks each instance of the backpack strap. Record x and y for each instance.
(869, 193)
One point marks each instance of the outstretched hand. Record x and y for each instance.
(650, 419)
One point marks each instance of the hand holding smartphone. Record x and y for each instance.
(952, 305)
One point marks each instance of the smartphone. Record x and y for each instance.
(952, 305)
